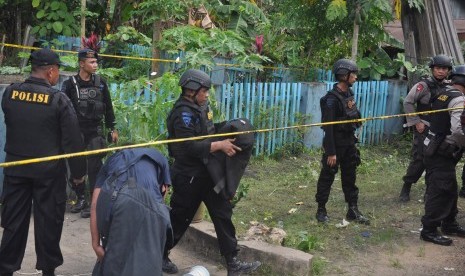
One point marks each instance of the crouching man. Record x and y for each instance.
(129, 220)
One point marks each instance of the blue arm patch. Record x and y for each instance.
(187, 118)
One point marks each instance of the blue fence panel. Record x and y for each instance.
(269, 105)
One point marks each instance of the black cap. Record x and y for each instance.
(45, 57)
(87, 53)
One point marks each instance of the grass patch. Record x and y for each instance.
(277, 186)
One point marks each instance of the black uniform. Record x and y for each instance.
(40, 121)
(92, 102)
(339, 140)
(420, 94)
(441, 157)
(192, 183)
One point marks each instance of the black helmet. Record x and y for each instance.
(441, 61)
(458, 75)
(195, 79)
(344, 66)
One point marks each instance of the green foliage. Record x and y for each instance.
(9, 70)
(53, 17)
(309, 242)
(143, 121)
(241, 193)
(127, 34)
(417, 4)
(161, 10)
(201, 46)
(241, 16)
(337, 9)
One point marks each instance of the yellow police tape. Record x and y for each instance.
(152, 143)
(144, 58)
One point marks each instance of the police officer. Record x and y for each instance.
(40, 121)
(444, 146)
(192, 184)
(91, 99)
(339, 142)
(418, 99)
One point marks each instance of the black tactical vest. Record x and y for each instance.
(203, 121)
(31, 138)
(90, 104)
(348, 107)
(440, 121)
(435, 88)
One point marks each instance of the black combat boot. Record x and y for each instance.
(453, 228)
(167, 265)
(48, 272)
(432, 235)
(80, 204)
(85, 213)
(462, 191)
(405, 192)
(237, 267)
(353, 214)
(321, 214)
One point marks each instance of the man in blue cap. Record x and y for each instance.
(91, 99)
(40, 121)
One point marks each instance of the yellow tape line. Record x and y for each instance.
(153, 143)
(144, 58)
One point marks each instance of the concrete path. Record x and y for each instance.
(79, 258)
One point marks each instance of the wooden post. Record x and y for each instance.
(157, 30)
(83, 19)
(1, 49)
(27, 41)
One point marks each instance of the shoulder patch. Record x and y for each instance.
(420, 87)
(443, 98)
(187, 118)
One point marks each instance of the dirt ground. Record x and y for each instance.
(407, 256)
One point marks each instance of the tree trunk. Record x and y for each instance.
(355, 34)
(157, 31)
(83, 19)
(18, 26)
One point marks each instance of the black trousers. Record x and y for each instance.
(441, 200)
(416, 167)
(347, 161)
(94, 163)
(188, 193)
(49, 197)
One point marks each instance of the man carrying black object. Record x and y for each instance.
(129, 221)
(417, 100)
(40, 121)
(91, 99)
(444, 147)
(192, 184)
(339, 142)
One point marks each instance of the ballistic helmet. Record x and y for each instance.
(457, 75)
(344, 66)
(441, 61)
(195, 79)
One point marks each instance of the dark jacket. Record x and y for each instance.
(226, 172)
(40, 121)
(334, 106)
(185, 120)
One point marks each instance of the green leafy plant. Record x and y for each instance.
(53, 17)
(9, 70)
(309, 242)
